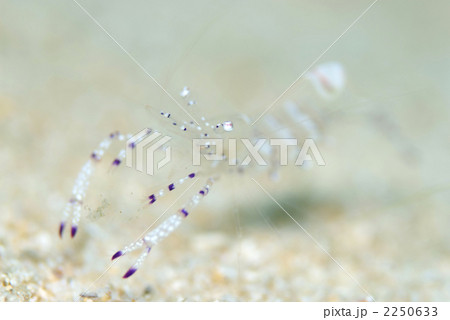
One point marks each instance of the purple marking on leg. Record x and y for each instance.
(61, 229)
(171, 187)
(152, 201)
(114, 134)
(183, 211)
(191, 175)
(202, 192)
(129, 273)
(95, 156)
(132, 145)
(117, 254)
(73, 231)
(151, 197)
(116, 162)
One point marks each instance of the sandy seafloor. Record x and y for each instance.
(380, 206)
